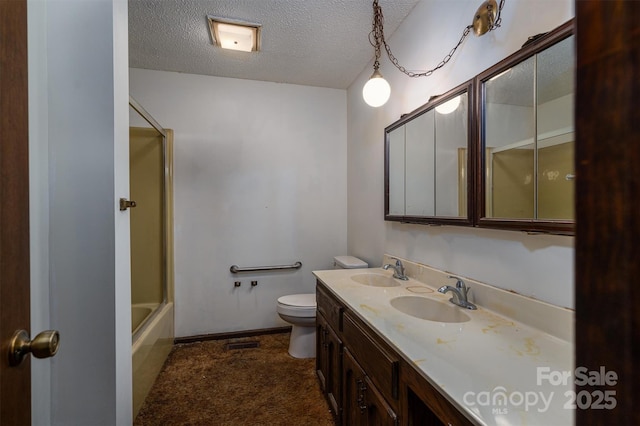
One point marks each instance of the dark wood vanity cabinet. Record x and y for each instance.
(329, 350)
(367, 382)
(329, 364)
(363, 404)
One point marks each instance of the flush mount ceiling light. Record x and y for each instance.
(234, 34)
(376, 91)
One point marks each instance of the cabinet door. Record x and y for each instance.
(378, 412)
(353, 407)
(321, 353)
(362, 403)
(329, 364)
(334, 371)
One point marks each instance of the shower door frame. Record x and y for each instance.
(165, 278)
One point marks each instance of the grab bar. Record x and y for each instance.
(235, 268)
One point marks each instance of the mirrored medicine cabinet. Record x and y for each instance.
(527, 137)
(427, 159)
(497, 151)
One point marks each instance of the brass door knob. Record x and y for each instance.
(45, 345)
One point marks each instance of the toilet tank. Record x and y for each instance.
(348, 262)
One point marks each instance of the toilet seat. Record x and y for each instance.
(303, 300)
(298, 305)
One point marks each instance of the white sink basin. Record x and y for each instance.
(429, 309)
(375, 280)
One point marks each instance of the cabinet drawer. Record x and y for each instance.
(329, 307)
(379, 363)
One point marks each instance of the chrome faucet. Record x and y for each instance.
(459, 292)
(398, 269)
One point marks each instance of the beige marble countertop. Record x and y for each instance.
(494, 368)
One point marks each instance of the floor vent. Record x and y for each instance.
(242, 345)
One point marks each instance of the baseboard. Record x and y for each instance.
(231, 335)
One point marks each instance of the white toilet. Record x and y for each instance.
(299, 310)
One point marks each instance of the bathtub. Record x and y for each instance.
(139, 313)
(152, 335)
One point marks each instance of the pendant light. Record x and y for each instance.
(376, 91)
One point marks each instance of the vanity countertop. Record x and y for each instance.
(487, 367)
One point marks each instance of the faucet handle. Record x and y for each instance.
(399, 266)
(460, 284)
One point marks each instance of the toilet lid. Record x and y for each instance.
(302, 300)
(349, 262)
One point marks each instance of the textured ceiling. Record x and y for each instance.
(309, 42)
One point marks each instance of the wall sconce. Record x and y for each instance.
(376, 91)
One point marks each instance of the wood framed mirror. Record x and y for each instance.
(525, 106)
(427, 159)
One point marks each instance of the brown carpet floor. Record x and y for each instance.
(205, 384)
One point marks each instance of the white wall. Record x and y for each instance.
(534, 265)
(260, 179)
(78, 91)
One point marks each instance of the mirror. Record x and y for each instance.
(427, 160)
(517, 171)
(528, 137)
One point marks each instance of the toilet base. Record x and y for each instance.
(302, 343)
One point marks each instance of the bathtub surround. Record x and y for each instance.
(533, 265)
(149, 352)
(150, 218)
(152, 309)
(260, 179)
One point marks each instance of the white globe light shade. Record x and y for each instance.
(376, 92)
(449, 106)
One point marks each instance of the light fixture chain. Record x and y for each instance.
(442, 63)
(376, 38)
(498, 21)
